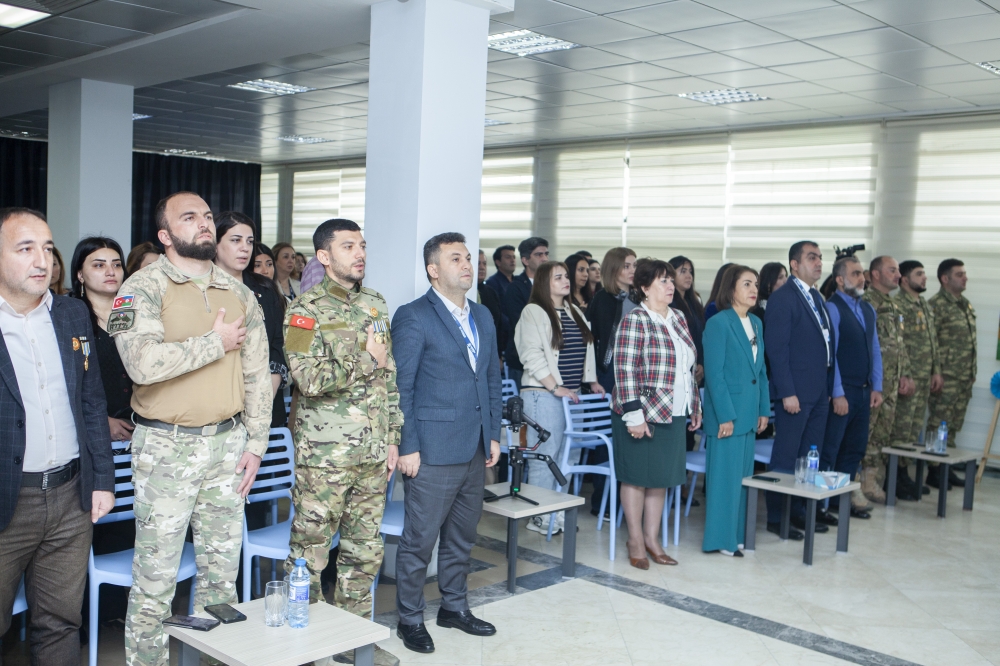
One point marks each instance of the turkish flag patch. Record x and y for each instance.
(298, 321)
(122, 302)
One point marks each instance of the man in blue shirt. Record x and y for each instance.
(857, 378)
(505, 259)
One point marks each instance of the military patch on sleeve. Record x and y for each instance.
(298, 321)
(298, 340)
(123, 302)
(121, 320)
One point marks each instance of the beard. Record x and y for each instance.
(917, 288)
(194, 250)
(856, 292)
(346, 272)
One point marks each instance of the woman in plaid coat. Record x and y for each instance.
(654, 393)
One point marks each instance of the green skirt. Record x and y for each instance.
(660, 462)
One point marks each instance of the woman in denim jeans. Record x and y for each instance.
(556, 348)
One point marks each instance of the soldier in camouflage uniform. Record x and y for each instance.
(884, 273)
(955, 321)
(192, 339)
(920, 336)
(347, 422)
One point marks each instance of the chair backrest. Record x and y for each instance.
(288, 405)
(591, 414)
(124, 491)
(277, 468)
(508, 389)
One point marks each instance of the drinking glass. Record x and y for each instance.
(801, 469)
(275, 603)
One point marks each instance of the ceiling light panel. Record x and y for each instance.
(989, 67)
(727, 96)
(15, 17)
(526, 42)
(185, 152)
(298, 138)
(140, 116)
(269, 87)
(490, 122)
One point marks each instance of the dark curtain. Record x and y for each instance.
(225, 186)
(23, 178)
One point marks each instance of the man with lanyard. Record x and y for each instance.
(799, 342)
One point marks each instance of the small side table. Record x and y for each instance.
(515, 509)
(954, 457)
(787, 486)
(252, 643)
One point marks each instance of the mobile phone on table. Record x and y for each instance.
(902, 447)
(190, 622)
(763, 477)
(225, 613)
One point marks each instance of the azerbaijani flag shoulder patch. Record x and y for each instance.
(123, 302)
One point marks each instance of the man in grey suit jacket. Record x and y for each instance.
(448, 374)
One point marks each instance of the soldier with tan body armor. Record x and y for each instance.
(192, 339)
(347, 422)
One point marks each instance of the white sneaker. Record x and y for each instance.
(540, 524)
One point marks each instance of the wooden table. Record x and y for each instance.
(515, 509)
(954, 457)
(812, 494)
(252, 643)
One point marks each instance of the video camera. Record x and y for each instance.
(849, 251)
(513, 414)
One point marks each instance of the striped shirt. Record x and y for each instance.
(573, 353)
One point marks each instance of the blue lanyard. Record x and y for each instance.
(809, 297)
(474, 348)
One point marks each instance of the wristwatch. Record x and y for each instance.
(554, 389)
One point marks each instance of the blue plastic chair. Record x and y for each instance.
(588, 425)
(116, 568)
(20, 606)
(392, 525)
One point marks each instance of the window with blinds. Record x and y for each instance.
(796, 184)
(324, 194)
(507, 201)
(269, 208)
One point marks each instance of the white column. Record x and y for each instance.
(426, 108)
(90, 163)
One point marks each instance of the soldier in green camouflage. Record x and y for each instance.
(955, 321)
(884, 272)
(192, 339)
(347, 421)
(920, 335)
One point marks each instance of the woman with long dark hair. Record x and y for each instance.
(579, 280)
(97, 274)
(234, 236)
(773, 276)
(687, 301)
(711, 309)
(284, 269)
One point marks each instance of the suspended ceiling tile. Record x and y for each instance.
(82, 31)
(573, 80)
(532, 13)
(684, 84)
(519, 104)
(749, 77)
(674, 16)
(791, 90)
(870, 109)
(524, 67)
(652, 48)
(825, 69)
(199, 8)
(902, 62)
(7, 69)
(902, 12)
(867, 42)
(986, 50)
(949, 74)
(889, 95)
(25, 58)
(969, 88)
(731, 36)
(636, 72)
(521, 87)
(864, 82)
(588, 110)
(130, 17)
(51, 46)
(983, 100)
(567, 98)
(623, 91)
(746, 9)
(348, 70)
(823, 101)
(594, 31)
(820, 22)
(492, 77)
(956, 31)
(583, 58)
(786, 53)
(259, 71)
(666, 102)
(946, 104)
(706, 63)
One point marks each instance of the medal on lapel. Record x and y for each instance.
(380, 327)
(76, 345)
(86, 351)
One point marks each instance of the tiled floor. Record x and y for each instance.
(913, 589)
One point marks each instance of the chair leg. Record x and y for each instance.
(694, 482)
(665, 518)
(621, 512)
(677, 515)
(24, 626)
(613, 497)
(92, 638)
(604, 505)
(256, 577)
(247, 568)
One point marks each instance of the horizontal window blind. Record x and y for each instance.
(320, 195)
(352, 195)
(507, 201)
(268, 208)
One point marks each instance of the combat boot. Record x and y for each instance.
(860, 502)
(870, 486)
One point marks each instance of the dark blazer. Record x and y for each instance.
(489, 298)
(71, 319)
(447, 408)
(514, 299)
(796, 347)
(736, 386)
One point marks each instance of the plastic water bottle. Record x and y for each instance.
(813, 458)
(941, 441)
(298, 596)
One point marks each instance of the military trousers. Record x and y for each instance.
(181, 480)
(880, 426)
(950, 404)
(350, 500)
(911, 410)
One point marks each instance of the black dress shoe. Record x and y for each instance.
(801, 524)
(826, 518)
(465, 621)
(415, 637)
(924, 490)
(932, 479)
(793, 534)
(860, 513)
(955, 480)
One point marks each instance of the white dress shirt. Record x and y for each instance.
(751, 335)
(683, 377)
(50, 428)
(462, 316)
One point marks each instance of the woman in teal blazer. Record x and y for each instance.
(737, 406)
